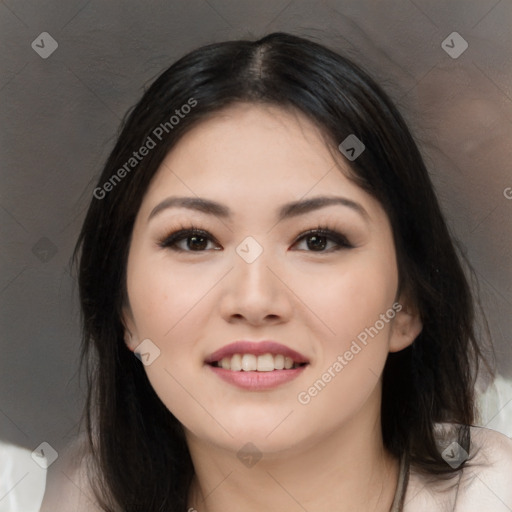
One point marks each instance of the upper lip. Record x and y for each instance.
(256, 348)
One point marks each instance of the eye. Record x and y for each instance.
(192, 239)
(323, 239)
(188, 240)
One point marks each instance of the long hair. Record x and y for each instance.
(140, 457)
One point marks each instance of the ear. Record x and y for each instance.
(128, 322)
(406, 325)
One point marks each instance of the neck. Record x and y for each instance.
(347, 470)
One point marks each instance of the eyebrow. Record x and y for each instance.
(286, 211)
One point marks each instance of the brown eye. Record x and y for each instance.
(316, 243)
(323, 240)
(188, 240)
(196, 242)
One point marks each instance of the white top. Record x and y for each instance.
(22, 479)
(483, 486)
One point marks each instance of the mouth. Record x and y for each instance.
(263, 363)
(257, 366)
(262, 356)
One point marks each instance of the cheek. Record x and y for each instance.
(351, 298)
(161, 298)
(169, 308)
(171, 322)
(352, 359)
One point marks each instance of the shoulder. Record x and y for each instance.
(68, 486)
(487, 480)
(484, 483)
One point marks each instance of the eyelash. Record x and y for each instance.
(171, 240)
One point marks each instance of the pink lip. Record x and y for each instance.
(256, 348)
(257, 381)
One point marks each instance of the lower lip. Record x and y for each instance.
(257, 381)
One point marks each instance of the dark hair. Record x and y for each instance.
(130, 431)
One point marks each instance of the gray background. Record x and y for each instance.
(60, 116)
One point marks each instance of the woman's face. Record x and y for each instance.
(253, 177)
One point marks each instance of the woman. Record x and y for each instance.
(266, 240)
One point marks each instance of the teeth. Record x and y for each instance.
(235, 363)
(251, 363)
(265, 363)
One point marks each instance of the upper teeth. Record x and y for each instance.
(251, 363)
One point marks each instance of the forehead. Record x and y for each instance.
(253, 154)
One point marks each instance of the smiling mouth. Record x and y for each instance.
(261, 363)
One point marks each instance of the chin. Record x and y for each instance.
(272, 434)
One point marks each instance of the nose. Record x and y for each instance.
(256, 293)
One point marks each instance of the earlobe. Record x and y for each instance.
(128, 339)
(127, 321)
(407, 325)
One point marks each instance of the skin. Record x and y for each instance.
(324, 455)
